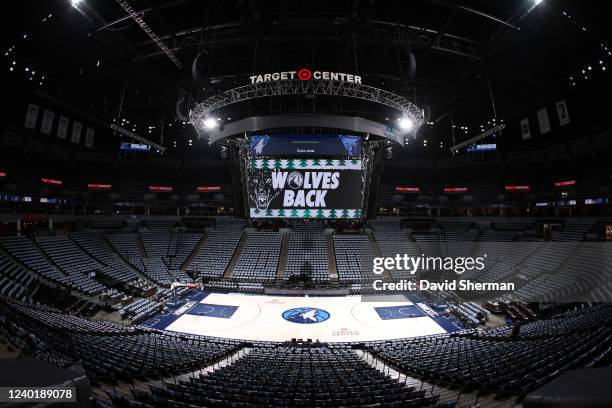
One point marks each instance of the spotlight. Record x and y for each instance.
(406, 123)
(75, 2)
(210, 123)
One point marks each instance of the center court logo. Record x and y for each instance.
(306, 315)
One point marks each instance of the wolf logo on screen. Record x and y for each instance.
(262, 193)
(257, 144)
(351, 144)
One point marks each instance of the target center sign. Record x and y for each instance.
(305, 74)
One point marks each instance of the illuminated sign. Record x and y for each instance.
(209, 188)
(164, 189)
(566, 202)
(482, 147)
(45, 200)
(595, 201)
(565, 183)
(99, 186)
(455, 189)
(544, 204)
(517, 188)
(408, 189)
(305, 74)
(2, 174)
(135, 146)
(51, 181)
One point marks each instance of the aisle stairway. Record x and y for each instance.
(448, 395)
(232, 263)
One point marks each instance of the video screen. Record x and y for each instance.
(294, 188)
(287, 145)
(135, 146)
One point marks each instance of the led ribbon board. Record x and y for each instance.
(93, 186)
(287, 145)
(455, 189)
(163, 189)
(51, 181)
(565, 183)
(517, 188)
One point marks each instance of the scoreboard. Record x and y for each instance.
(289, 145)
(305, 188)
(305, 176)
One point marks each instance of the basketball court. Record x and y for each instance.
(282, 318)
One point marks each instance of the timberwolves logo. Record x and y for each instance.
(295, 180)
(305, 315)
(257, 144)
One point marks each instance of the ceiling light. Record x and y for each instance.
(406, 123)
(210, 123)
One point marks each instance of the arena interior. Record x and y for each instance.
(248, 203)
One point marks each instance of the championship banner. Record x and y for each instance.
(305, 188)
(89, 137)
(525, 130)
(562, 113)
(76, 132)
(543, 121)
(47, 122)
(31, 116)
(62, 127)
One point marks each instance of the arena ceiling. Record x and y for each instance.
(94, 55)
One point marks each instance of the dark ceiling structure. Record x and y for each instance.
(150, 61)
